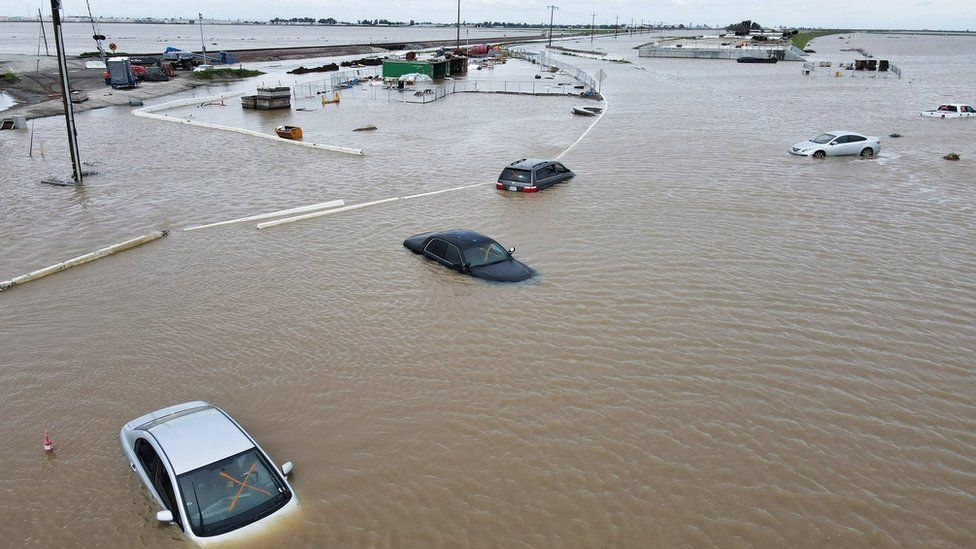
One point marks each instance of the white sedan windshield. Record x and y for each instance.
(231, 493)
(823, 138)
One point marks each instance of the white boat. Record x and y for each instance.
(587, 110)
(952, 110)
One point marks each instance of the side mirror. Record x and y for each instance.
(832, 143)
(511, 250)
(164, 516)
(286, 468)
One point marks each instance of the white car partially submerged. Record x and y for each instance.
(951, 110)
(206, 473)
(838, 143)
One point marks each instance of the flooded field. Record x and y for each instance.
(22, 38)
(725, 344)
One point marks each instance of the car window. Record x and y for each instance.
(484, 254)
(842, 139)
(560, 168)
(156, 471)
(231, 493)
(855, 138)
(823, 138)
(545, 172)
(512, 174)
(951, 108)
(436, 247)
(452, 255)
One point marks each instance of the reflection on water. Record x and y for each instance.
(724, 343)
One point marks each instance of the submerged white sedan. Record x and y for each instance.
(206, 473)
(838, 143)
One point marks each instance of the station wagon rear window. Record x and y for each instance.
(231, 493)
(512, 174)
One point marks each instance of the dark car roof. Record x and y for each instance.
(462, 238)
(528, 163)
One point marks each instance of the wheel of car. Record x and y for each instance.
(868, 151)
(820, 154)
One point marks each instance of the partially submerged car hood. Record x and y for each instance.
(806, 145)
(511, 270)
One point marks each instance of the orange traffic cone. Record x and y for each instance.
(48, 445)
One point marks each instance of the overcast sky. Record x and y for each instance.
(911, 14)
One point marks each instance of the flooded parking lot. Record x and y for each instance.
(725, 344)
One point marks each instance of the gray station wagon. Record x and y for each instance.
(531, 175)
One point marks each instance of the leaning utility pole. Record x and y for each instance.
(552, 12)
(47, 52)
(202, 43)
(69, 115)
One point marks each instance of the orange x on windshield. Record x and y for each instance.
(243, 484)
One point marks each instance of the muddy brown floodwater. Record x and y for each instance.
(725, 345)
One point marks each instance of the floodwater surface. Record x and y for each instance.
(725, 345)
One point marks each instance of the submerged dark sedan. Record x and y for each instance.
(470, 253)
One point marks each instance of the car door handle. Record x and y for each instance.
(133, 465)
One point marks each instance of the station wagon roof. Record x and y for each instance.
(528, 163)
(198, 438)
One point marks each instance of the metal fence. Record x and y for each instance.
(546, 60)
(335, 81)
(433, 93)
(346, 79)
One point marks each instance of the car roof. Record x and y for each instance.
(528, 163)
(462, 238)
(198, 437)
(845, 132)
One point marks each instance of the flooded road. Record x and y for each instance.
(725, 344)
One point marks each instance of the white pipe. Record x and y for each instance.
(149, 112)
(184, 102)
(82, 259)
(440, 191)
(326, 212)
(300, 209)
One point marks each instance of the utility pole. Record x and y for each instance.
(616, 26)
(458, 46)
(592, 28)
(552, 12)
(631, 29)
(202, 43)
(69, 114)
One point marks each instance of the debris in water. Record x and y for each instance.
(48, 445)
(951, 156)
(894, 135)
(367, 128)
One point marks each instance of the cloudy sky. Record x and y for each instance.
(910, 14)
